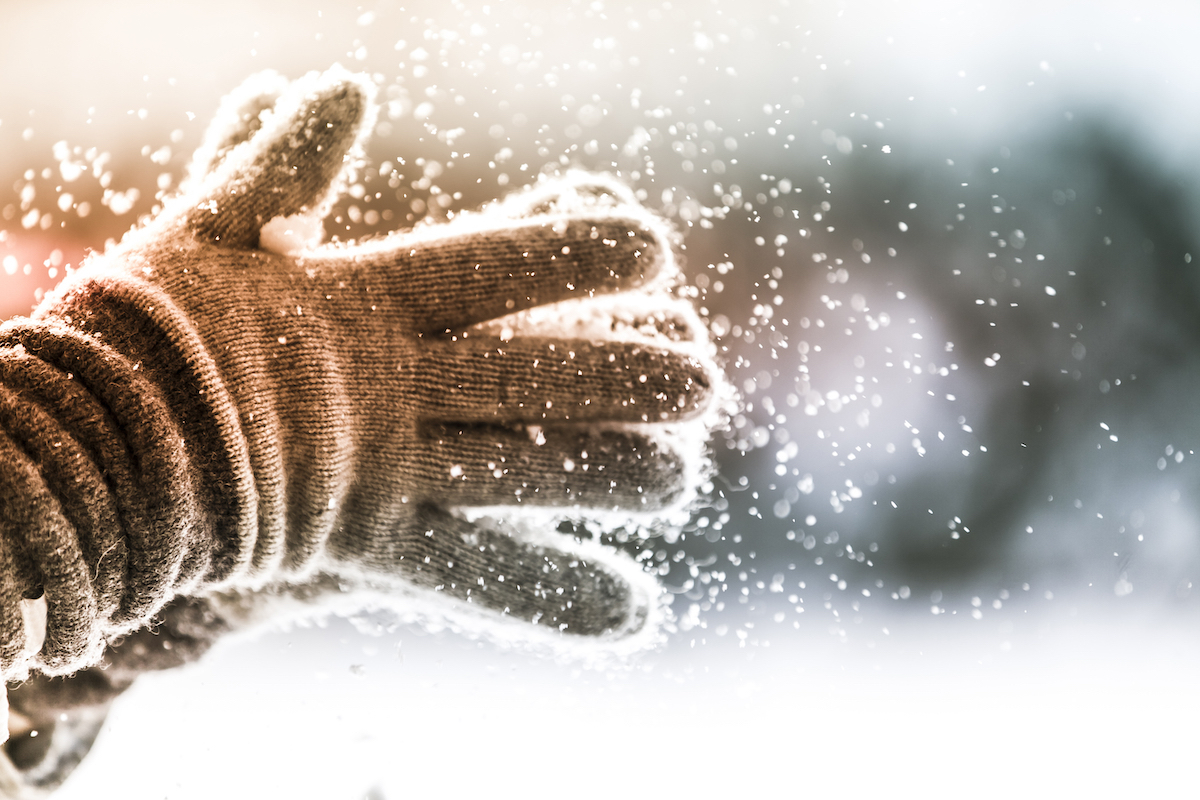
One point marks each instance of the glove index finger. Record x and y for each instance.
(291, 165)
(487, 266)
(577, 192)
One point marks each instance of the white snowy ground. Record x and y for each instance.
(1061, 705)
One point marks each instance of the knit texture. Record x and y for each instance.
(191, 414)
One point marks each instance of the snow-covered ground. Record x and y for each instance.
(1055, 705)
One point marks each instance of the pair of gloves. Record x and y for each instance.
(221, 419)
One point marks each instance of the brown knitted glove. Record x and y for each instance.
(193, 413)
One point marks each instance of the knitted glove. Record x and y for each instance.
(218, 407)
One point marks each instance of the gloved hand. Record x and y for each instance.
(219, 405)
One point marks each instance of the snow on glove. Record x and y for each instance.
(194, 413)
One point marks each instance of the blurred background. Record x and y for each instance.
(949, 254)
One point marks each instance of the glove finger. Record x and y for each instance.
(577, 192)
(543, 584)
(484, 465)
(238, 118)
(543, 380)
(468, 275)
(290, 166)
